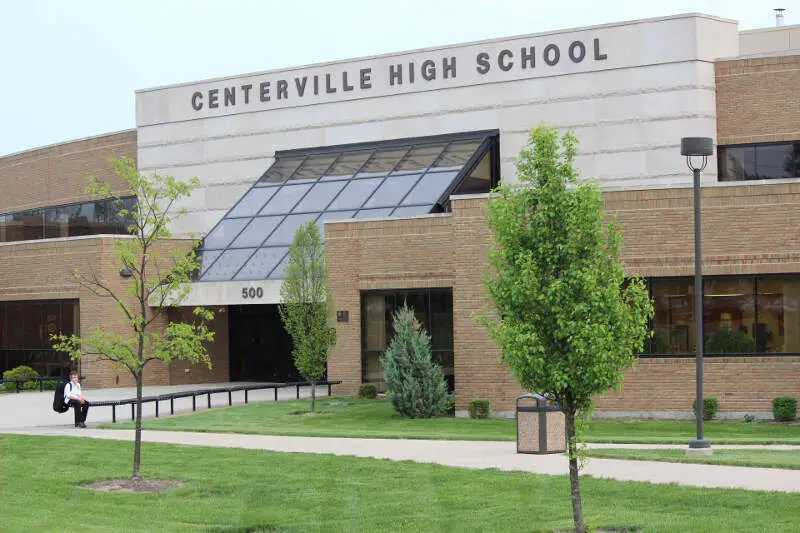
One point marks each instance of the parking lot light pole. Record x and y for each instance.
(696, 150)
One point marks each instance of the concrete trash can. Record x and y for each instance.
(541, 428)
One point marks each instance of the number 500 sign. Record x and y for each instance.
(249, 293)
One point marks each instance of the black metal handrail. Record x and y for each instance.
(19, 382)
(171, 397)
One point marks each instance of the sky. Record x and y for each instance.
(69, 69)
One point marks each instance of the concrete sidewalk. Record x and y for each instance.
(35, 409)
(468, 454)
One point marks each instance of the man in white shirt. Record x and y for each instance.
(74, 398)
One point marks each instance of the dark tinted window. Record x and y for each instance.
(759, 161)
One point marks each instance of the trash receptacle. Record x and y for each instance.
(541, 428)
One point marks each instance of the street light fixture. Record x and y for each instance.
(696, 150)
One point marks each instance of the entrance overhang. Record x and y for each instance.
(210, 293)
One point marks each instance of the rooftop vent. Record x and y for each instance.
(779, 16)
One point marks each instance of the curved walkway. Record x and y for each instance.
(467, 454)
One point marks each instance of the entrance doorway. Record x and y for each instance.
(260, 348)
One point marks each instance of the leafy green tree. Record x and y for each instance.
(568, 322)
(159, 276)
(306, 306)
(414, 379)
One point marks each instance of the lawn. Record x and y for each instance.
(238, 491)
(758, 458)
(376, 419)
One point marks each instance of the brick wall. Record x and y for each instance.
(59, 174)
(745, 231)
(218, 350)
(757, 100)
(43, 270)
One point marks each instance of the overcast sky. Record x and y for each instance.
(69, 69)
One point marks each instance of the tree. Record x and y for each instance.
(306, 306)
(568, 321)
(415, 381)
(157, 281)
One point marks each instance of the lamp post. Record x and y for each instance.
(696, 150)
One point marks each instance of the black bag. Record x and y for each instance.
(58, 399)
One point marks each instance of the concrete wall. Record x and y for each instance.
(770, 41)
(650, 83)
(59, 174)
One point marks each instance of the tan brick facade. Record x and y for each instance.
(740, 236)
(757, 100)
(59, 174)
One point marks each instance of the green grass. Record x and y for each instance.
(359, 418)
(757, 458)
(679, 432)
(238, 491)
(376, 419)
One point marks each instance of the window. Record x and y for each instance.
(434, 310)
(759, 161)
(72, 220)
(373, 180)
(25, 329)
(741, 315)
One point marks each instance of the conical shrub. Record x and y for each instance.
(416, 385)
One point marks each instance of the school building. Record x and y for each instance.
(393, 157)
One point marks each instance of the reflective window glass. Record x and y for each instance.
(207, 258)
(374, 213)
(392, 191)
(355, 194)
(224, 233)
(280, 170)
(419, 158)
(430, 188)
(280, 270)
(319, 197)
(252, 202)
(412, 210)
(775, 161)
(456, 155)
(383, 161)
(284, 234)
(228, 264)
(728, 315)
(778, 326)
(673, 323)
(314, 166)
(348, 164)
(285, 199)
(255, 232)
(261, 263)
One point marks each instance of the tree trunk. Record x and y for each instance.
(137, 446)
(577, 509)
(313, 396)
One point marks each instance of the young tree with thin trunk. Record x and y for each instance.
(158, 280)
(567, 322)
(306, 306)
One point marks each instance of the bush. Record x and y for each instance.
(749, 418)
(450, 407)
(368, 391)
(784, 408)
(726, 341)
(418, 389)
(21, 372)
(479, 409)
(710, 407)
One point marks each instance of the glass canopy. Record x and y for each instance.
(394, 178)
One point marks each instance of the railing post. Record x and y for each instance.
(16, 383)
(194, 402)
(132, 415)
(329, 389)
(230, 401)
(113, 414)
(298, 391)
(172, 405)
(41, 385)
(156, 408)
(245, 396)
(209, 400)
